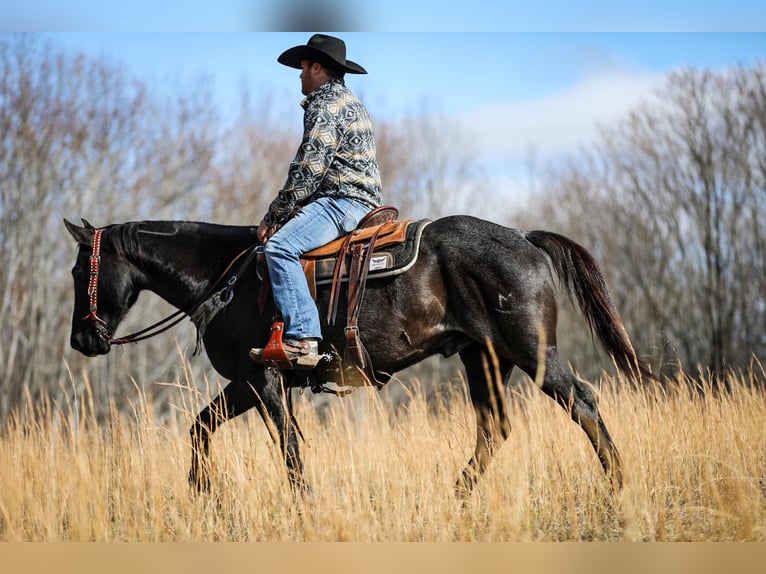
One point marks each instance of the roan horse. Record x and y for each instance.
(478, 289)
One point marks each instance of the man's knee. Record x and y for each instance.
(276, 247)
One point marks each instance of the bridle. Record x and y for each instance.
(100, 325)
(156, 328)
(95, 263)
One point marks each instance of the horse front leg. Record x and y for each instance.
(276, 409)
(236, 398)
(274, 405)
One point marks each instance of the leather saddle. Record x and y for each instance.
(379, 246)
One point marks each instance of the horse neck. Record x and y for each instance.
(181, 261)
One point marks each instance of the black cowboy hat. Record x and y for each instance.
(327, 50)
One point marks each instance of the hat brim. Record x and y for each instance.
(294, 56)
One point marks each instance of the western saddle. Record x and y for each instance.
(350, 257)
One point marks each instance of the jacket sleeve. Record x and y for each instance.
(321, 136)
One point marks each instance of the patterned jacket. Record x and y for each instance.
(336, 157)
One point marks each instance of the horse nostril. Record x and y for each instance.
(89, 345)
(74, 342)
(79, 343)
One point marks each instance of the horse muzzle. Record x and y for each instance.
(90, 345)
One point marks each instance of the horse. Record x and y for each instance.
(478, 289)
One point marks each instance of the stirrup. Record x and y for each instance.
(275, 354)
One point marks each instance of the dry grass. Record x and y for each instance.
(695, 469)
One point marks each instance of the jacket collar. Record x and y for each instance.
(325, 88)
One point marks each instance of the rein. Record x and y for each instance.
(154, 329)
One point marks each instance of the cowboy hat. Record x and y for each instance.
(327, 50)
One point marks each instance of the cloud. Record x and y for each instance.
(560, 122)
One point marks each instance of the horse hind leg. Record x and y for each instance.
(577, 399)
(485, 374)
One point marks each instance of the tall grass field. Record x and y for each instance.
(694, 462)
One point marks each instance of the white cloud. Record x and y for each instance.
(560, 122)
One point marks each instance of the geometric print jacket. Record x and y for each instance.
(336, 157)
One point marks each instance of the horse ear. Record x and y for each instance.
(87, 224)
(82, 235)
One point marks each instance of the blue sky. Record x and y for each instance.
(515, 90)
(523, 78)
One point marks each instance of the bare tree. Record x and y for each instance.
(254, 156)
(423, 173)
(672, 200)
(78, 138)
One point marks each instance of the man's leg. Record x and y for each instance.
(314, 225)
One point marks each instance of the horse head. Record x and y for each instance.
(104, 290)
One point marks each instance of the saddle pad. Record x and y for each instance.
(386, 260)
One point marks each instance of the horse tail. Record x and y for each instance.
(584, 282)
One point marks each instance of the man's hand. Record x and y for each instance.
(263, 232)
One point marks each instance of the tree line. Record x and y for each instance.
(671, 201)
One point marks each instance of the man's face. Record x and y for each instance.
(312, 76)
(306, 82)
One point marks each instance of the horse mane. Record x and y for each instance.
(125, 238)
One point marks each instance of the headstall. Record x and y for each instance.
(95, 262)
(152, 330)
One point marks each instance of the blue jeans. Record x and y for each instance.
(316, 224)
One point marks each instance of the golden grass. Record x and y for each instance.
(695, 469)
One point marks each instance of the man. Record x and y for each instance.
(334, 179)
